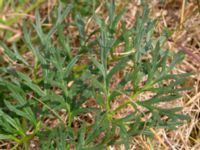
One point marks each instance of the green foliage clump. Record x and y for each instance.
(61, 79)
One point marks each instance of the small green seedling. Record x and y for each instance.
(61, 83)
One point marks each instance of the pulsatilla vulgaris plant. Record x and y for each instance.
(64, 95)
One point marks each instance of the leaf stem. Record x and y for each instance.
(53, 112)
